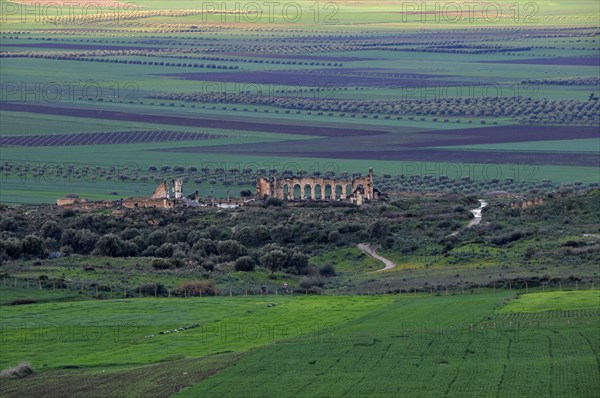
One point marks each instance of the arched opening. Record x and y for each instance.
(318, 192)
(328, 192)
(348, 190)
(306, 192)
(338, 192)
(286, 192)
(297, 192)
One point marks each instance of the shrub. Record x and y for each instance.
(274, 260)
(11, 248)
(160, 263)
(275, 202)
(379, 229)
(327, 271)
(206, 287)
(504, 239)
(245, 263)
(204, 247)
(18, 372)
(307, 283)
(33, 246)
(23, 301)
(51, 229)
(299, 263)
(110, 245)
(231, 249)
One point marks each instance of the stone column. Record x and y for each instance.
(344, 195)
(313, 192)
(332, 192)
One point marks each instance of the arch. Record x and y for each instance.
(307, 191)
(286, 191)
(338, 191)
(297, 192)
(318, 192)
(348, 190)
(329, 193)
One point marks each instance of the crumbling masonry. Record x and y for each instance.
(357, 190)
(163, 197)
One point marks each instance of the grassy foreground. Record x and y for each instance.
(491, 344)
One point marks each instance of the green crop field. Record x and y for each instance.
(469, 345)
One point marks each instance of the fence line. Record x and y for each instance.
(150, 289)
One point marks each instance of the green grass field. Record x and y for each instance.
(465, 345)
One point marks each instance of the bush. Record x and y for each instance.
(18, 372)
(327, 271)
(205, 247)
(110, 245)
(33, 246)
(160, 263)
(274, 260)
(23, 301)
(299, 263)
(504, 239)
(245, 263)
(379, 229)
(308, 283)
(275, 202)
(51, 229)
(231, 249)
(206, 287)
(11, 248)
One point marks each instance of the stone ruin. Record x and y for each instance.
(171, 196)
(164, 196)
(358, 190)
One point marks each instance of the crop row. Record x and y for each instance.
(104, 138)
(530, 110)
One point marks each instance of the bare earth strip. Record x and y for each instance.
(365, 248)
(199, 121)
(407, 154)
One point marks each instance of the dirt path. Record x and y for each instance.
(477, 214)
(365, 248)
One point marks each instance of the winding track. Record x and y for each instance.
(389, 264)
(476, 213)
(365, 248)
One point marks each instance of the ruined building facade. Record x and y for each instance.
(357, 190)
(163, 197)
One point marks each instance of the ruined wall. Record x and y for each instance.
(178, 188)
(263, 188)
(527, 203)
(356, 190)
(67, 201)
(84, 204)
(161, 191)
(143, 202)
